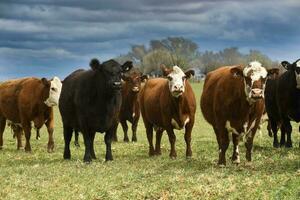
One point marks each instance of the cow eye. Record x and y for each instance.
(53, 89)
(170, 78)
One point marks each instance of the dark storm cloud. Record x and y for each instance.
(54, 37)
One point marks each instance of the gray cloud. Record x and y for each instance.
(60, 35)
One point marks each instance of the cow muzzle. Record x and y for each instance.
(256, 94)
(135, 89)
(117, 85)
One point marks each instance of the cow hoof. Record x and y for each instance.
(236, 162)
(108, 159)
(275, 145)
(1, 147)
(222, 165)
(27, 150)
(288, 145)
(126, 140)
(87, 160)
(189, 157)
(173, 157)
(157, 153)
(67, 155)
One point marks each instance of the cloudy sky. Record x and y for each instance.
(54, 37)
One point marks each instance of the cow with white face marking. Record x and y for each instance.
(232, 102)
(166, 104)
(27, 100)
(283, 102)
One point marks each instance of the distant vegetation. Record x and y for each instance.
(185, 53)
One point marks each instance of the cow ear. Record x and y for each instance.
(144, 77)
(45, 82)
(95, 64)
(190, 73)
(165, 70)
(237, 71)
(126, 66)
(272, 73)
(286, 65)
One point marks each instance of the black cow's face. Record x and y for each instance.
(112, 72)
(134, 80)
(255, 77)
(295, 67)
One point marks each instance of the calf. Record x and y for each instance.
(90, 102)
(25, 100)
(232, 102)
(283, 102)
(166, 104)
(130, 108)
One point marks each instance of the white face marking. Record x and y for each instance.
(257, 72)
(177, 83)
(298, 64)
(54, 93)
(297, 80)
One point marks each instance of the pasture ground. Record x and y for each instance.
(273, 174)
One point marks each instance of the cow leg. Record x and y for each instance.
(235, 155)
(282, 137)
(92, 145)
(149, 132)
(67, 137)
(288, 130)
(275, 130)
(18, 132)
(108, 139)
(134, 128)
(114, 133)
(223, 141)
(269, 129)
(27, 129)
(88, 146)
(188, 138)
(50, 127)
(37, 137)
(76, 142)
(2, 127)
(159, 133)
(249, 145)
(125, 130)
(172, 140)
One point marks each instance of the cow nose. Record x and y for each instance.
(257, 93)
(178, 87)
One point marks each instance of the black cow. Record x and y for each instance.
(90, 101)
(283, 102)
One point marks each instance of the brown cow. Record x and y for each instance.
(130, 108)
(25, 100)
(232, 102)
(167, 104)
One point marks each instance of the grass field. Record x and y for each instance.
(273, 174)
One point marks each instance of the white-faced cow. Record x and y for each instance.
(90, 102)
(130, 108)
(232, 102)
(166, 104)
(283, 102)
(27, 100)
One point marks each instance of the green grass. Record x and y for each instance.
(273, 174)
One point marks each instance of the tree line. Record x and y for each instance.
(185, 53)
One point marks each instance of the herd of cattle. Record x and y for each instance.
(233, 101)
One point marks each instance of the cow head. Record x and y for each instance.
(295, 67)
(111, 71)
(134, 80)
(54, 88)
(176, 78)
(254, 76)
